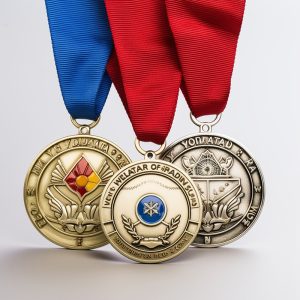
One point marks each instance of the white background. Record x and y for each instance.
(263, 114)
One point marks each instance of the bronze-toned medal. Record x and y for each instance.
(150, 210)
(64, 185)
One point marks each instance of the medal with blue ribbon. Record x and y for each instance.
(64, 184)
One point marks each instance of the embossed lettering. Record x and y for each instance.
(104, 147)
(38, 167)
(122, 163)
(68, 144)
(181, 244)
(250, 216)
(109, 196)
(257, 189)
(170, 156)
(212, 140)
(38, 218)
(228, 145)
(130, 172)
(30, 192)
(184, 144)
(187, 186)
(251, 166)
(207, 240)
(49, 152)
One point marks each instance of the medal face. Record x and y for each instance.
(229, 182)
(150, 211)
(63, 188)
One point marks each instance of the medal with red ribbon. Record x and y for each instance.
(150, 210)
(161, 46)
(228, 178)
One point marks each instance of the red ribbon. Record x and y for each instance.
(158, 40)
(206, 34)
(145, 67)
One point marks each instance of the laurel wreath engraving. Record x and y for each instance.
(131, 229)
(170, 229)
(129, 226)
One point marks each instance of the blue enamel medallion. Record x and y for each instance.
(151, 210)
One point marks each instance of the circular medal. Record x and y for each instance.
(63, 188)
(150, 211)
(229, 181)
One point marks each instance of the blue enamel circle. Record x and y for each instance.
(151, 210)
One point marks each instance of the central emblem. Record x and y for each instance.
(207, 165)
(82, 179)
(76, 212)
(151, 210)
(220, 193)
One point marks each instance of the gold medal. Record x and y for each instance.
(150, 210)
(63, 187)
(229, 181)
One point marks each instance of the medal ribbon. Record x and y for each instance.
(82, 45)
(206, 34)
(144, 67)
(154, 39)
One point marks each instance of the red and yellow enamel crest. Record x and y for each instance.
(82, 179)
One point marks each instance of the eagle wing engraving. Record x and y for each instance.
(222, 213)
(71, 217)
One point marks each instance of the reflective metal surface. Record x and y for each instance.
(63, 187)
(229, 181)
(150, 211)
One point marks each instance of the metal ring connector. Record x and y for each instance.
(91, 125)
(205, 126)
(149, 154)
(85, 128)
